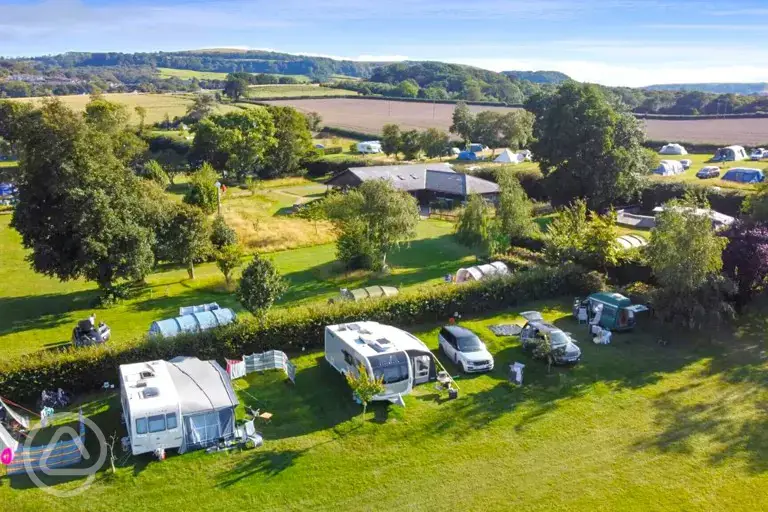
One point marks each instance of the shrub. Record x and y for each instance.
(221, 234)
(260, 286)
(202, 191)
(727, 201)
(291, 330)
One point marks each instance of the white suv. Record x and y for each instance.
(464, 348)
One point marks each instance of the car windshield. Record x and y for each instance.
(391, 367)
(470, 344)
(559, 338)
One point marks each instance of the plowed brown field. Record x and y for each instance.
(369, 116)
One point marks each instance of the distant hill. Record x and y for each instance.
(714, 88)
(221, 60)
(538, 77)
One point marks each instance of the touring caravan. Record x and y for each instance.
(370, 146)
(183, 404)
(385, 351)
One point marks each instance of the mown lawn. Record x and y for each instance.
(634, 426)
(38, 312)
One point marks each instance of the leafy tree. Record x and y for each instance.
(142, 113)
(202, 106)
(542, 349)
(390, 139)
(485, 129)
(515, 209)
(112, 119)
(745, 258)
(435, 93)
(80, 211)
(221, 234)
(185, 237)
(476, 227)
(566, 234)
(410, 144)
(684, 249)
(434, 142)
(260, 286)
(313, 211)
(585, 147)
(237, 142)
(364, 387)
(408, 88)
(314, 121)
(600, 241)
(228, 259)
(372, 220)
(463, 122)
(153, 171)
(472, 92)
(235, 87)
(203, 192)
(515, 129)
(756, 205)
(294, 142)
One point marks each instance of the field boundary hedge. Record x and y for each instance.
(292, 330)
(692, 117)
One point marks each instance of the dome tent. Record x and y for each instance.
(480, 272)
(669, 168)
(673, 149)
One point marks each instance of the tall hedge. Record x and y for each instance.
(291, 330)
(727, 201)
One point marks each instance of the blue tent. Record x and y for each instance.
(194, 322)
(744, 175)
(476, 148)
(467, 155)
(7, 189)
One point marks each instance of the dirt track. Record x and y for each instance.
(369, 116)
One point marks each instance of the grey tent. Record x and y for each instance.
(206, 399)
(370, 292)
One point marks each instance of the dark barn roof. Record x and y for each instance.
(438, 178)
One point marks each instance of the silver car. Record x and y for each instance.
(565, 351)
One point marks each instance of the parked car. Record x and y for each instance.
(464, 348)
(759, 154)
(708, 172)
(686, 163)
(565, 351)
(319, 146)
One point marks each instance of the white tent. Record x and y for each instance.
(507, 157)
(730, 154)
(673, 149)
(669, 168)
(479, 272)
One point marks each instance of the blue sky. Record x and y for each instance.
(614, 42)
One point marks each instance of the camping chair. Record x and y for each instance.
(582, 315)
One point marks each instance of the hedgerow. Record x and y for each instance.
(291, 330)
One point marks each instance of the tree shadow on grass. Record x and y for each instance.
(18, 314)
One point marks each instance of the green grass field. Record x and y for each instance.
(157, 105)
(188, 74)
(634, 427)
(38, 312)
(290, 91)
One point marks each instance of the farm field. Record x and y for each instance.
(157, 105)
(368, 116)
(288, 91)
(748, 132)
(187, 74)
(634, 426)
(38, 312)
(700, 161)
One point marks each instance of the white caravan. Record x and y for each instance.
(369, 146)
(183, 404)
(398, 356)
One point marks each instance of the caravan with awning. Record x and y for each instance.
(183, 404)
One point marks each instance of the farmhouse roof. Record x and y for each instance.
(410, 178)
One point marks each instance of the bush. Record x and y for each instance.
(260, 286)
(638, 292)
(291, 330)
(221, 234)
(333, 151)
